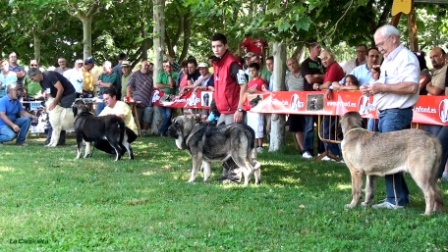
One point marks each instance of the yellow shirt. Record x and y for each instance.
(121, 108)
(88, 81)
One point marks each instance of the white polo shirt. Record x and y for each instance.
(401, 65)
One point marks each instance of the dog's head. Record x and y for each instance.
(182, 126)
(351, 120)
(79, 106)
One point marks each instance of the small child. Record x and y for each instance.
(255, 120)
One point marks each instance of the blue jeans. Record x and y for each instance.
(166, 119)
(308, 134)
(372, 124)
(393, 120)
(443, 137)
(7, 134)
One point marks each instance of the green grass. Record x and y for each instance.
(51, 202)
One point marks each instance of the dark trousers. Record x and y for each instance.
(393, 120)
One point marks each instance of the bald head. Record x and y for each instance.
(437, 56)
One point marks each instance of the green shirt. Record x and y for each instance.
(111, 78)
(124, 84)
(163, 78)
(32, 88)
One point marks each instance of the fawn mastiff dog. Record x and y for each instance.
(377, 154)
(206, 144)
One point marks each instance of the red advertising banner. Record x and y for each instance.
(428, 110)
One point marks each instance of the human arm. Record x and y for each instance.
(113, 81)
(9, 122)
(59, 93)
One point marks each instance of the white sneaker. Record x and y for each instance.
(326, 158)
(306, 155)
(259, 149)
(445, 176)
(387, 205)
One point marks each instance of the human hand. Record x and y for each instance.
(51, 106)
(238, 117)
(375, 88)
(16, 128)
(316, 86)
(329, 94)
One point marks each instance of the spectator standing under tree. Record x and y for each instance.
(126, 74)
(32, 88)
(19, 70)
(313, 72)
(75, 77)
(7, 77)
(62, 66)
(118, 70)
(107, 79)
(360, 59)
(140, 87)
(395, 91)
(88, 89)
(166, 81)
(255, 120)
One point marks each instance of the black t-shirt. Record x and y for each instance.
(194, 76)
(310, 66)
(50, 78)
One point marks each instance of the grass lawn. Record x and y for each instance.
(51, 202)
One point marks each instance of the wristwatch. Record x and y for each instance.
(239, 110)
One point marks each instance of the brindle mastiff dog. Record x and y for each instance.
(207, 144)
(378, 154)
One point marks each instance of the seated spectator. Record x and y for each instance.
(202, 82)
(255, 120)
(121, 109)
(14, 120)
(350, 83)
(140, 88)
(360, 59)
(75, 77)
(7, 77)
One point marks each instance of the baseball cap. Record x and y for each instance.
(89, 60)
(125, 63)
(250, 55)
(79, 61)
(203, 64)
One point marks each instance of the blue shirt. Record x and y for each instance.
(12, 109)
(11, 78)
(362, 73)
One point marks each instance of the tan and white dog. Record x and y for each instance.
(378, 154)
(60, 119)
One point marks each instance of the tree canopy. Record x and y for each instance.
(48, 29)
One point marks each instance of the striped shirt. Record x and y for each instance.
(142, 87)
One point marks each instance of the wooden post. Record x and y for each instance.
(412, 27)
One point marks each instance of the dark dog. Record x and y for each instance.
(207, 144)
(90, 128)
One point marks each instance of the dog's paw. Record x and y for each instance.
(350, 206)
(366, 204)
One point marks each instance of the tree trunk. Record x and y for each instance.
(187, 36)
(277, 135)
(87, 35)
(36, 46)
(159, 45)
(412, 26)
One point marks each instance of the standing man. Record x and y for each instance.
(58, 87)
(395, 93)
(230, 91)
(106, 80)
(19, 70)
(75, 76)
(88, 89)
(166, 81)
(7, 77)
(14, 120)
(360, 59)
(32, 88)
(312, 72)
(62, 66)
(118, 70)
(230, 82)
(140, 87)
(126, 74)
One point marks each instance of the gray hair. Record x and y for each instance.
(328, 52)
(33, 72)
(388, 30)
(11, 87)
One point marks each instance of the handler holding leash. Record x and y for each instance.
(395, 91)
